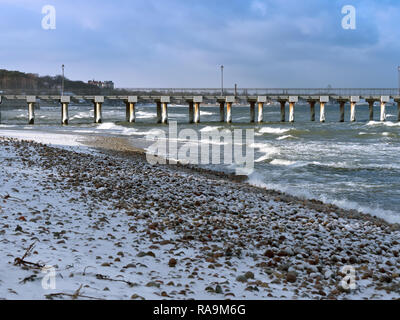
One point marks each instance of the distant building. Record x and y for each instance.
(102, 84)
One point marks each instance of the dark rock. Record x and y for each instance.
(249, 275)
(269, 253)
(291, 277)
(172, 263)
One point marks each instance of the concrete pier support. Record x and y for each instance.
(197, 102)
(384, 100)
(342, 105)
(162, 109)
(197, 112)
(31, 100)
(291, 111)
(164, 113)
(221, 110)
(261, 100)
(194, 108)
(283, 110)
(130, 109)
(353, 102)
(353, 111)
(229, 103)
(322, 112)
(260, 112)
(292, 103)
(252, 111)
(65, 100)
(322, 101)
(229, 112)
(191, 111)
(398, 109)
(312, 109)
(158, 111)
(383, 111)
(371, 109)
(98, 103)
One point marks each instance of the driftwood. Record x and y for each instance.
(77, 294)
(22, 261)
(7, 196)
(107, 278)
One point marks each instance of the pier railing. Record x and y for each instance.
(213, 91)
(270, 91)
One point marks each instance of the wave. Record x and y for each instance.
(273, 130)
(145, 114)
(267, 150)
(209, 129)
(281, 162)
(116, 129)
(81, 115)
(286, 137)
(206, 113)
(386, 123)
(390, 216)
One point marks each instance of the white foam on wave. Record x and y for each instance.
(271, 130)
(289, 136)
(385, 123)
(206, 113)
(209, 129)
(303, 193)
(108, 126)
(113, 128)
(265, 148)
(282, 162)
(145, 115)
(81, 115)
(355, 166)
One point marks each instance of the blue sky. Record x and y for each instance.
(181, 43)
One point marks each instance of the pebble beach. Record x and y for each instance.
(115, 227)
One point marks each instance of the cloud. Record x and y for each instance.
(181, 43)
(259, 7)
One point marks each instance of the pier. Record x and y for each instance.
(256, 99)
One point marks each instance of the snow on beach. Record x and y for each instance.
(119, 228)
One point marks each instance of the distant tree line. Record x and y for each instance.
(16, 80)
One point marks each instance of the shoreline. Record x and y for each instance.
(125, 229)
(120, 147)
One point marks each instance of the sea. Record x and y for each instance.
(352, 165)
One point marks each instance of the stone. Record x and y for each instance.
(241, 279)
(153, 284)
(218, 289)
(249, 275)
(291, 277)
(172, 263)
(269, 253)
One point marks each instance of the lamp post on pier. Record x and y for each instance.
(399, 78)
(62, 84)
(222, 80)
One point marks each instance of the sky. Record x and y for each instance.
(182, 43)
